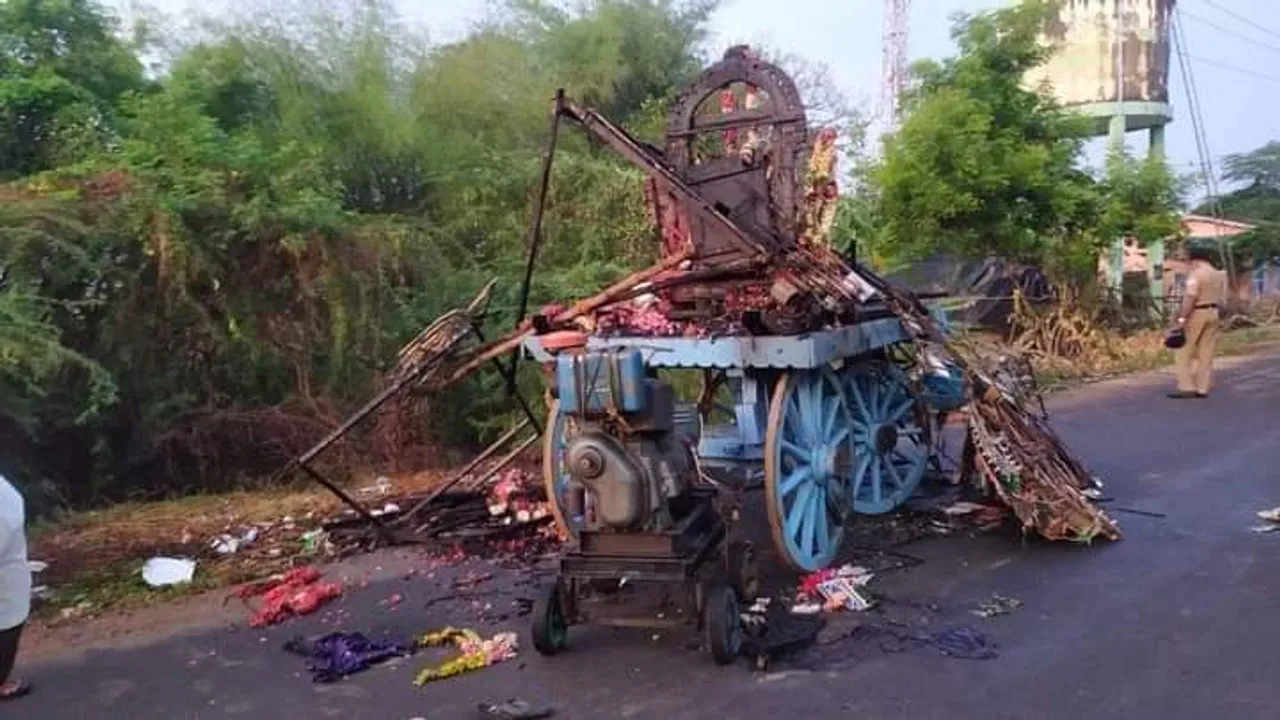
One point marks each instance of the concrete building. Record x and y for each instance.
(1260, 280)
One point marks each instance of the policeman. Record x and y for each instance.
(1198, 318)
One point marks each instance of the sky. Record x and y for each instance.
(1233, 48)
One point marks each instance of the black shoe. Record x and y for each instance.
(1201, 395)
(1182, 395)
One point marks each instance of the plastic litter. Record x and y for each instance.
(838, 588)
(381, 487)
(1272, 515)
(166, 571)
(314, 541)
(997, 605)
(514, 709)
(229, 544)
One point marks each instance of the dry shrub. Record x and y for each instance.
(1256, 313)
(215, 450)
(1063, 332)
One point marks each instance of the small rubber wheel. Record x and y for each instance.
(744, 571)
(723, 623)
(550, 627)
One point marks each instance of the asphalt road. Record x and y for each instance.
(1178, 620)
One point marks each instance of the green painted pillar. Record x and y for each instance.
(1155, 147)
(1155, 253)
(1115, 132)
(1115, 143)
(1155, 262)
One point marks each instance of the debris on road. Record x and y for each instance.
(1022, 461)
(166, 571)
(774, 632)
(1272, 516)
(476, 652)
(296, 592)
(961, 643)
(836, 588)
(227, 544)
(338, 655)
(514, 709)
(316, 542)
(997, 605)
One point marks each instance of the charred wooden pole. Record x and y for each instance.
(583, 307)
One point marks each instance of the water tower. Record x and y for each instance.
(1111, 63)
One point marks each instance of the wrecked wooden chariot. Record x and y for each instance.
(820, 383)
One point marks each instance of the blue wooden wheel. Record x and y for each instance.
(808, 444)
(554, 442)
(891, 435)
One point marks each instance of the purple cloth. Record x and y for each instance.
(337, 655)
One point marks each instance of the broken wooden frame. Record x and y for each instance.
(817, 269)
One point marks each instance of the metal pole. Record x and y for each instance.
(355, 419)
(488, 452)
(535, 229)
(350, 501)
(506, 460)
(511, 389)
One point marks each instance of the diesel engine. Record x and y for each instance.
(626, 458)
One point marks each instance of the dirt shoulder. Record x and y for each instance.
(143, 624)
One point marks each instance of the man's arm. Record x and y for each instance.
(1188, 300)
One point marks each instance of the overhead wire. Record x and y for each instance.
(1227, 30)
(1233, 68)
(1202, 141)
(1232, 13)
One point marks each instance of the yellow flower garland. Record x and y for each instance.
(476, 653)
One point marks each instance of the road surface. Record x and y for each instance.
(1178, 620)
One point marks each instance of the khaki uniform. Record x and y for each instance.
(1194, 361)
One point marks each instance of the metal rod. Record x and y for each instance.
(347, 499)
(360, 414)
(535, 229)
(485, 455)
(588, 305)
(512, 390)
(506, 460)
(630, 149)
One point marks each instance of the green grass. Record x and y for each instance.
(115, 586)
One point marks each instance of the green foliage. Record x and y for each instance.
(984, 165)
(1140, 199)
(193, 271)
(981, 163)
(1256, 201)
(61, 71)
